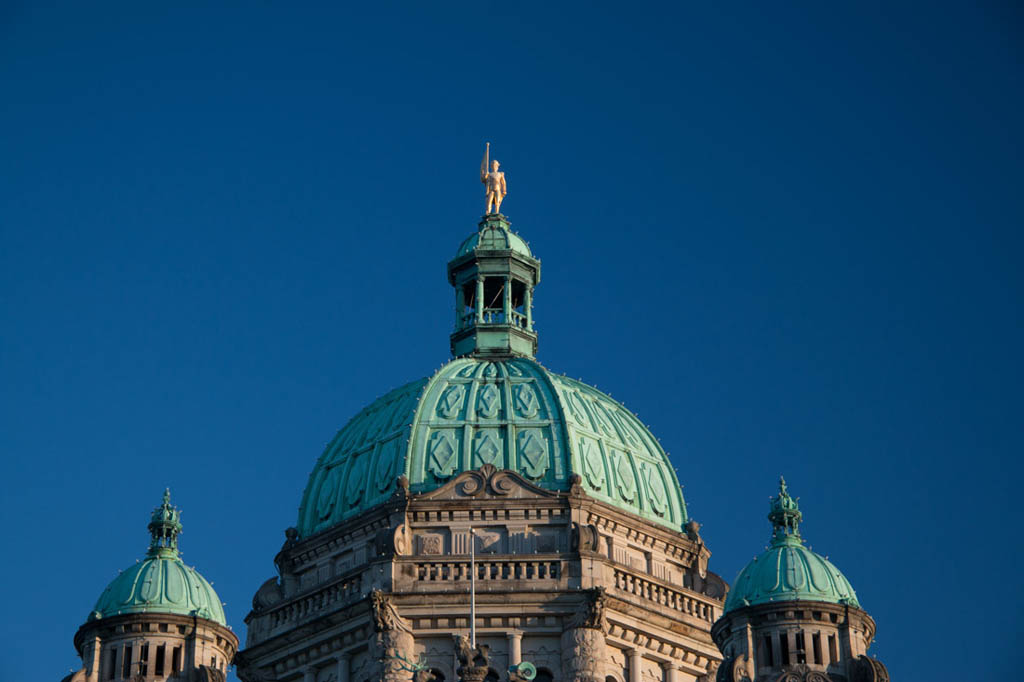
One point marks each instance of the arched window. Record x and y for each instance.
(610, 679)
(438, 675)
(544, 675)
(492, 676)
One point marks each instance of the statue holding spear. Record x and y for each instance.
(494, 182)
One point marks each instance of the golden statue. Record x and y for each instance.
(494, 182)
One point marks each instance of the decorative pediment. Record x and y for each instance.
(488, 482)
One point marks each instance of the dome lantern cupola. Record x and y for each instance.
(785, 515)
(494, 274)
(164, 527)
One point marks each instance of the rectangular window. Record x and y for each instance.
(833, 653)
(816, 643)
(144, 659)
(176, 660)
(769, 660)
(112, 664)
(784, 647)
(213, 661)
(159, 664)
(126, 667)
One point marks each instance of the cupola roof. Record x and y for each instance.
(495, 234)
(788, 570)
(161, 582)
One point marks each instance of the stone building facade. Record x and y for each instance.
(547, 499)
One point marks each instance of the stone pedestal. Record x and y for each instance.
(472, 673)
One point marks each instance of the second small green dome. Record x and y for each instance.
(161, 583)
(788, 570)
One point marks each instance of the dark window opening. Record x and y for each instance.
(543, 675)
(176, 660)
(768, 657)
(163, 627)
(784, 647)
(159, 663)
(438, 675)
(112, 665)
(833, 653)
(800, 648)
(126, 667)
(144, 659)
(492, 676)
(816, 644)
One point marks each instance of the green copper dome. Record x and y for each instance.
(512, 413)
(161, 583)
(787, 570)
(495, 236)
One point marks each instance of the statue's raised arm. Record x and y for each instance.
(494, 182)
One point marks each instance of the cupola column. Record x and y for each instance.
(460, 307)
(479, 299)
(528, 307)
(506, 300)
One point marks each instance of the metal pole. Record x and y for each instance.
(472, 588)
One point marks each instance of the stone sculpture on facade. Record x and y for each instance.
(474, 662)
(495, 187)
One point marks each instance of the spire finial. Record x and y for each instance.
(785, 515)
(164, 528)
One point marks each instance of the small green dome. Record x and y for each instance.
(787, 570)
(161, 583)
(494, 235)
(511, 413)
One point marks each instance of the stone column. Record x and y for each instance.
(515, 648)
(394, 640)
(309, 674)
(636, 662)
(479, 300)
(672, 673)
(584, 654)
(92, 661)
(343, 666)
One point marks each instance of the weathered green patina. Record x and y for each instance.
(494, 235)
(493, 404)
(161, 583)
(788, 570)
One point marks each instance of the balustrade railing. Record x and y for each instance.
(314, 603)
(494, 316)
(673, 599)
(516, 569)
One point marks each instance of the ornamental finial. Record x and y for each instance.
(495, 188)
(785, 514)
(164, 528)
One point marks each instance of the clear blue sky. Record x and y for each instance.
(787, 235)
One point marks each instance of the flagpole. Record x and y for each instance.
(472, 587)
